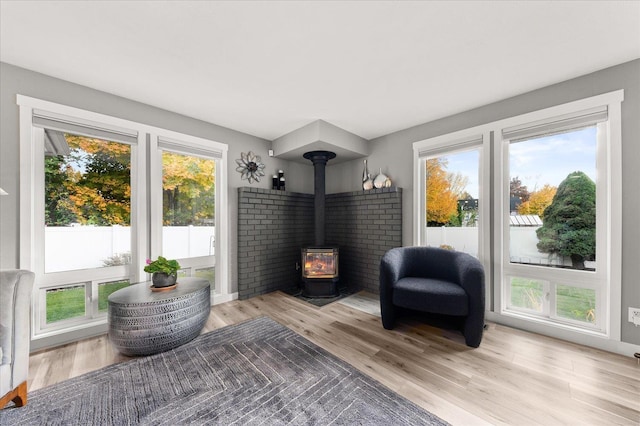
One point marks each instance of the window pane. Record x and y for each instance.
(87, 205)
(452, 201)
(65, 303)
(575, 303)
(527, 294)
(188, 206)
(105, 289)
(553, 200)
(208, 274)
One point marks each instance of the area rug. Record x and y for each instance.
(256, 372)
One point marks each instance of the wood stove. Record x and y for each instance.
(319, 263)
(320, 272)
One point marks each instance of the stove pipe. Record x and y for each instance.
(319, 160)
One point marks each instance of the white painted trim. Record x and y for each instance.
(419, 187)
(558, 110)
(222, 278)
(62, 109)
(139, 209)
(615, 215)
(581, 337)
(219, 299)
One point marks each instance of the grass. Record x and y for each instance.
(69, 302)
(573, 303)
(65, 303)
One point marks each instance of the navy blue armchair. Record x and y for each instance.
(437, 281)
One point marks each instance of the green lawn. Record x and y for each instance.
(65, 303)
(572, 302)
(69, 302)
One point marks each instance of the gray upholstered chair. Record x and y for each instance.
(15, 334)
(437, 281)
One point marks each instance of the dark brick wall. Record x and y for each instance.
(364, 225)
(274, 225)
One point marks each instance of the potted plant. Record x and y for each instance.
(164, 272)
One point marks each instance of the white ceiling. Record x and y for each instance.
(267, 68)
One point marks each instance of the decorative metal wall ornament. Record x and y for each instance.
(250, 166)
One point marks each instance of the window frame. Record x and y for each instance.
(474, 138)
(608, 220)
(496, 192)
(555, 277)
(186, 145)
(32, 215)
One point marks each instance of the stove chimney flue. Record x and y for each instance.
(319, 160)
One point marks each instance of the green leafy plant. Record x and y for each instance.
(169, 267)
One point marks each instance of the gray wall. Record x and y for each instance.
(394, 152)
(14, 80)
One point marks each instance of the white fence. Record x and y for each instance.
(83, 247)
(522, 243)
(460, 238)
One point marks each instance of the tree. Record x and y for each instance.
(442, 202)
(188, 187)
(57, 209)
(518, 193)
(99, 187)
(570, 221)
(538, 201)
(92, 185)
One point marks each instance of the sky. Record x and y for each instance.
(536, 162)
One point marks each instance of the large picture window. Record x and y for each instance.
(554, 222)
(87, 224)
(550, 266)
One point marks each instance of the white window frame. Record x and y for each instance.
(189, 145)
(476, 137)
(608, 217)
(493, 236)
(32, 211)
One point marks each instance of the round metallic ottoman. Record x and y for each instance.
(142, 322)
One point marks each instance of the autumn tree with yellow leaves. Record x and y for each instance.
(92, 185)
(538, 201)
(444, 189)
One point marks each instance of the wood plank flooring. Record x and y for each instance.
(514, 378)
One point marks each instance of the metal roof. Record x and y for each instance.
(525, 220)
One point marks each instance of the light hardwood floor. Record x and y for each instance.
(514, 378)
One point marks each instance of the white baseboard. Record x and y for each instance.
(591, 340)
(217, 299)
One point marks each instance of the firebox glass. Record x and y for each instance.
(319, 264)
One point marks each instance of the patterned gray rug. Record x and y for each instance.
(256, 372)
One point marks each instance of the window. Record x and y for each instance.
(186, 188)
(87, 226)
(554, 220)
(452, 194)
